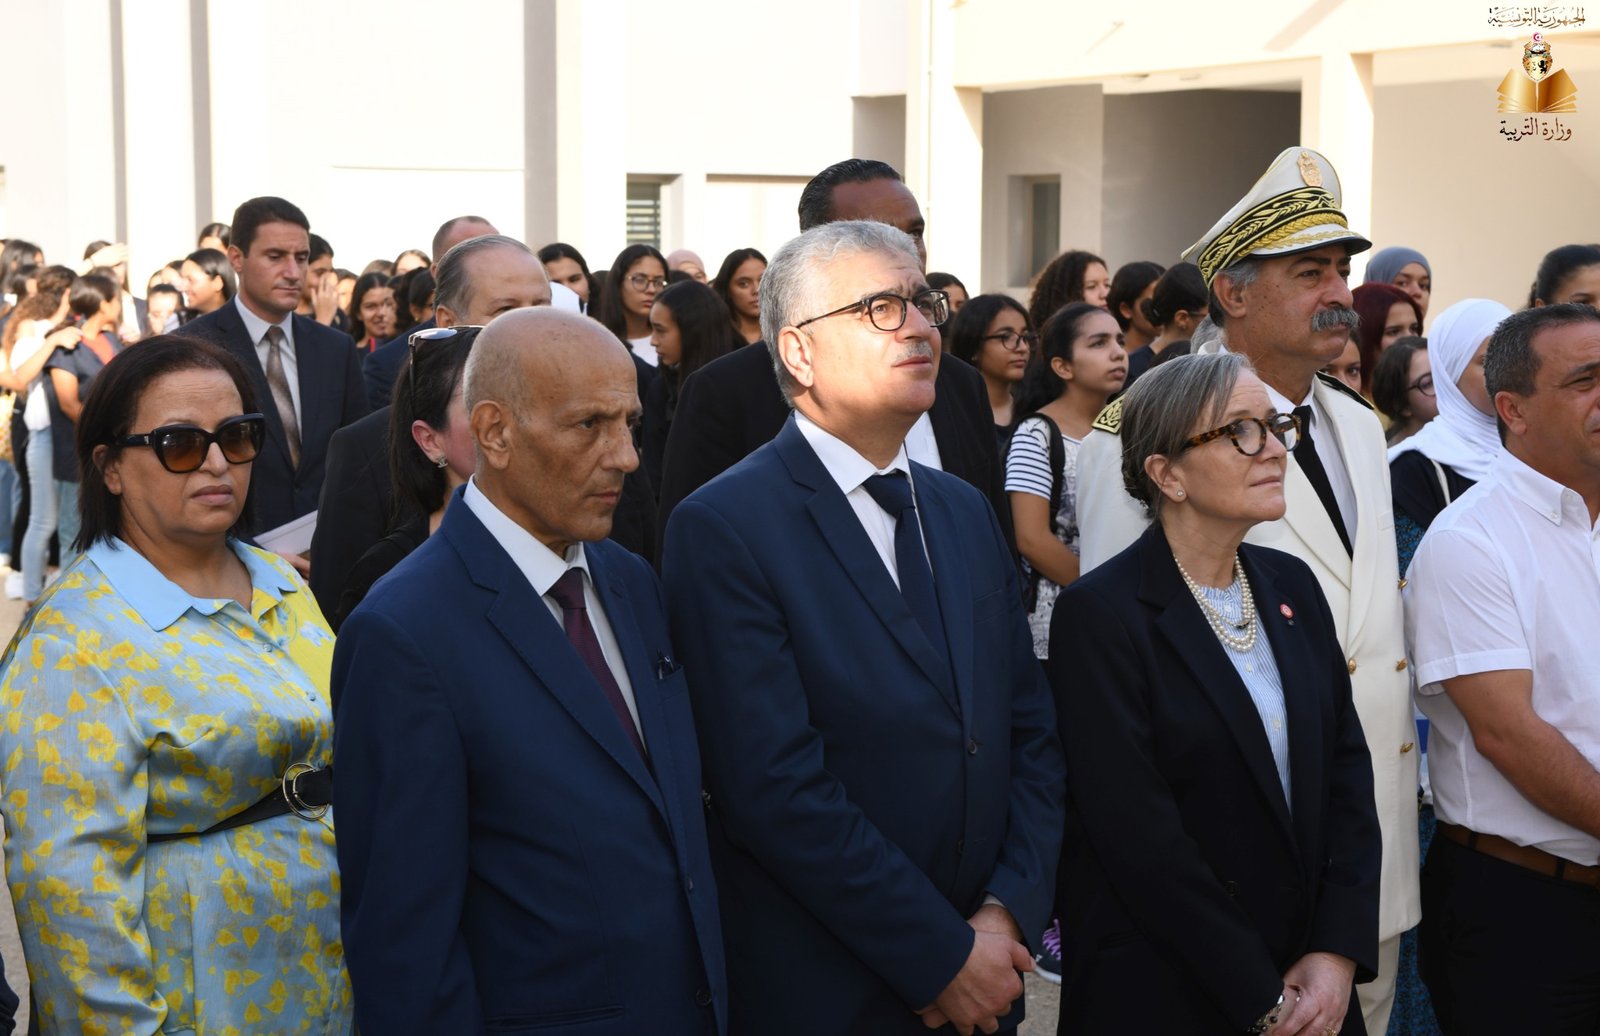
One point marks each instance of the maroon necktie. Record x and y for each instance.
(568, 592)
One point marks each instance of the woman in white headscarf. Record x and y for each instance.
(1453, 451)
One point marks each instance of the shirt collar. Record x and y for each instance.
(540, 565)
(257, 328)
(159, 601)
(848, 468)
(1551, 500)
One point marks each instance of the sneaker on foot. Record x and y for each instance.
(1047, 962)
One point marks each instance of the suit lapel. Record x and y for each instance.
(1365, 537)
(315, 381)
(1305, 515)
(1298, 673)
(1184, 625)
(841, 530)
(236, 337)
(523, 619)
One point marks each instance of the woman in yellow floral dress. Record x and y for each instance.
(163, 686)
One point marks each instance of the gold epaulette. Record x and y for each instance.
(1110, 419)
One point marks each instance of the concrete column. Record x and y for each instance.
(1336, 119)
(944, 143)
(591, 160)
(160, 134)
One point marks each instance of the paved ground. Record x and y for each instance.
(1043, 998)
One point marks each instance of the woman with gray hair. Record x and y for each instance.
(1219, 870)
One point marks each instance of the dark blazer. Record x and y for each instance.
(865, 794)
(1188, 886)
(382, 366)
(331, 396)
(356, 509)
(732, 405)
(509, 862)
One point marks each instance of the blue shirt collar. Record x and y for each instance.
(159, 601)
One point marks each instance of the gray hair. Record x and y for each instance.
(1162, 409)
(793, 288)
(453, 287)
(1242, 274)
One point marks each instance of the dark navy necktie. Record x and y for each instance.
(568, 592)
(893, 494)
(1305, 452)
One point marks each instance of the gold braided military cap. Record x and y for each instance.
(1294, 207)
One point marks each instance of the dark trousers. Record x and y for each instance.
(1506, 950)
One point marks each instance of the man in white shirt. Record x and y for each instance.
(1502, 603)
(885, 780)
(521, 831)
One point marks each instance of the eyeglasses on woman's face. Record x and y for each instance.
(1014, 341)
(182, 448)
(1249, 434)
(887, 310)
(1423, 385)
(643, 281)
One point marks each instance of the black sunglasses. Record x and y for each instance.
(182, 448)
(428, 336)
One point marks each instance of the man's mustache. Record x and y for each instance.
(916, 350)
(1333, 319)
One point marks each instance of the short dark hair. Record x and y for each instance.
(941, 280)
(435, 368)
(611, 313)
(165, 289)
(1557, 267)
(253, 214)
(1391, 377)
(220, 231)
(963, 336)
(816, 200)
(1512, 364)
(1129, 282)
(319, 248)
(1180, 288)
(109, 410)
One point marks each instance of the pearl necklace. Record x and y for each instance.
(1224, 627)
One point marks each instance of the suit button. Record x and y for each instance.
(972, 747)
(702, 997)
(1351, 665)
(1400, 666)
(1402, 584)
(1408, 746)
(1230, 888)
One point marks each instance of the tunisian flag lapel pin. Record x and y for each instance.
(1287, 612)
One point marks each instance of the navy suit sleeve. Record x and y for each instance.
(1346, 919)
(702, 444)
(400, 803)
(1130, 817)
(1024, 876)
(769, 782)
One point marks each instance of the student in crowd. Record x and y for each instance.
(1406, 269)
(1387, 314)
(1176, 307)
(372, 311)
(1131, 288)
(1570, 273)
(952, 287)
(635, 279)
(1402, 388)
(1073, 276)
(993, 334)
(739, 283)
(689, 327)
(208, 282)
(566, 265)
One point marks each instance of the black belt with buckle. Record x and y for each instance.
(304, 790)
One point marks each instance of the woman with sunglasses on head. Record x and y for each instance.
(632, 284)
(431, 454)
(992, 333)
(165, 770)
(1219, 872)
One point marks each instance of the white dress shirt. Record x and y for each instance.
(257, 329)
(542, 567)
(921, 446)
(1325, 440)
(1507, 577)
(851, 471)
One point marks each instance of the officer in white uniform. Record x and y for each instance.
(1277, 265)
